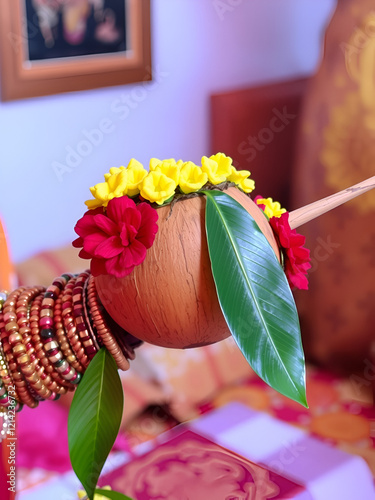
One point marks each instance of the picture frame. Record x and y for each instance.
(32, 64)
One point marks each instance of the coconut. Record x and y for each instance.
(170, 300)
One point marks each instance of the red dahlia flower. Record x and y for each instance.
(116, 240)
(297, 258)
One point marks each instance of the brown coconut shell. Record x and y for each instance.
(170, 300)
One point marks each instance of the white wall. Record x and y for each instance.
(199, 47)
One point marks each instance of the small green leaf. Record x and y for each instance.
(114, 495)
(94, 419)
(255, 297)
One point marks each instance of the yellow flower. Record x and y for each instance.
(135, 175)
(217, 167)
(113, 172)
(155, 162)
(247, 185)
(157, 187)
(118, 182)
(135, 164)
(192, 178)
(272, 208)
(82, 494)
(171, 170)
(240, 177)
(114, 186)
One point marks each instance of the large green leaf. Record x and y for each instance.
(255, 297)
(94, 419)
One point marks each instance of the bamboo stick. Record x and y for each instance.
(309, 212)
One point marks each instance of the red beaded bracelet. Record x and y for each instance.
(53, 379)
(62, 336)
(47, 333)
(102, 328)
(11, 327)
(23, 349)
(88, 344)
(70, 326)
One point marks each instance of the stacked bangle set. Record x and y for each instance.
(49, 336)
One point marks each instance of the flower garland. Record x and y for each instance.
(121, 223)
(165, 178)
(296, 256)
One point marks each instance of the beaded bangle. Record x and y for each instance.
(50, 344)
(20, 342)
(11, 329)
(70, 327)
(62, 338)
(52, 378)
(91, 328)
(5, 375)
(89, 345)
(126, 341)
(45, 387)
(102, 328)
(22, 392)
(23, 350)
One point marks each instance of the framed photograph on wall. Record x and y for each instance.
(54, 46)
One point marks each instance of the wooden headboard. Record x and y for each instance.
(257, 127)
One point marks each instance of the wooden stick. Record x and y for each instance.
(309, 212)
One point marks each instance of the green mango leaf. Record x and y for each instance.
(255, 297)
(113, 495)
(94, 419)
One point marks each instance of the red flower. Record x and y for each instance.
(116, 239)
(297, 258)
